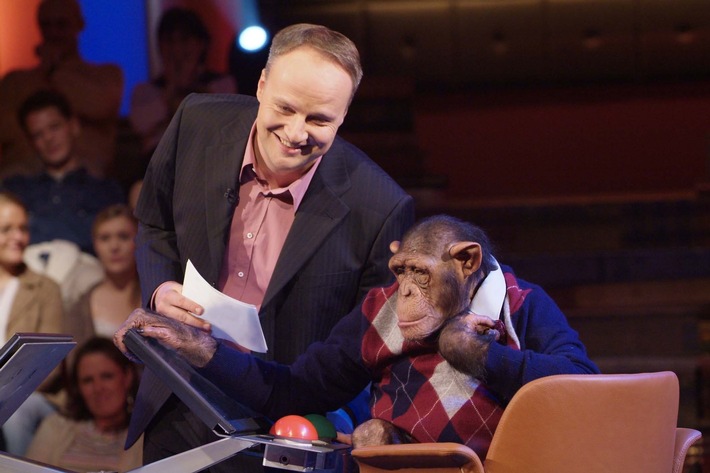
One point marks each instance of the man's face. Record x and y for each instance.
(302, 102)
(52, 135)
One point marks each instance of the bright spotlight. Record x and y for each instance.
(252, 38)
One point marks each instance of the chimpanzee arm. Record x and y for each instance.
(548, 346)
(324, 378)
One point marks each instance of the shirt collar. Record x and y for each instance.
(74, 174)
(297, 189)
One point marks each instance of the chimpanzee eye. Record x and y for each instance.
(421, 276)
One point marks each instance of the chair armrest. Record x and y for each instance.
(684, 438)
(422, 456)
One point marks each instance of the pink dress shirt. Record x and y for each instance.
(260, 224)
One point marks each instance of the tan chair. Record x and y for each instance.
(623, 423)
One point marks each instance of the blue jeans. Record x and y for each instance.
(21, 426)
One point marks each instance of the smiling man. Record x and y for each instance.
(271, 207)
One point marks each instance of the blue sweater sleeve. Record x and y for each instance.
(548, 346)
(324, 378)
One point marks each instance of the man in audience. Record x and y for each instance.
(183, 42)
(63, 198)
(93, 90)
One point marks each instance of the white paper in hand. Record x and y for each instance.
(231, 319)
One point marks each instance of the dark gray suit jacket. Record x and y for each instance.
(336, 250)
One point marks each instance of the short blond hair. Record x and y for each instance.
(7, 197)
(336, 46)
(111, 212)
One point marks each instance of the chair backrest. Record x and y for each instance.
(587, 424)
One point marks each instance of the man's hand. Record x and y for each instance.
(169, 301)
(196, 346)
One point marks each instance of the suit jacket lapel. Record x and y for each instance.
(321, 210)
(223, 162)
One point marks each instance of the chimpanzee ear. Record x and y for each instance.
(467, 254)
(394, 246)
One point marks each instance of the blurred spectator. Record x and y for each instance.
(102, 309)
(29, 302)
(90, 434)
(63, 198)
(94, 92)
(183, 40)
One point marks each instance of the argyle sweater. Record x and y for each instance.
(411, 385)
(417, 390)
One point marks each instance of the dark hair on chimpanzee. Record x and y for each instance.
(431, 230)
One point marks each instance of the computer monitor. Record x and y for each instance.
(25, 361)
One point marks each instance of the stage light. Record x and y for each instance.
(253, 38)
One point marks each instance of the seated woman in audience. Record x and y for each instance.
(102, 309)
(29, 302)
(90, 435)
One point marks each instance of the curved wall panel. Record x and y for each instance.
(470, 42)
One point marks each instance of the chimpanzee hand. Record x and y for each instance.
(464, 342)
(196, 346)
(378, 432)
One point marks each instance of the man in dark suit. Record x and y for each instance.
(271, 207)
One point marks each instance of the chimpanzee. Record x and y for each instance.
(445, 347)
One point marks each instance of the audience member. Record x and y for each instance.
(108, 294)
(271, 206)
(102, 309)
(94, 92)
(29, 302)
(90, 433)
(63, 198)
(183, 41)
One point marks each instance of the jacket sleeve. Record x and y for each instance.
(157, 254)
(548, 346)
(325, 377)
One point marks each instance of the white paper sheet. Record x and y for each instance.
(231, 319)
